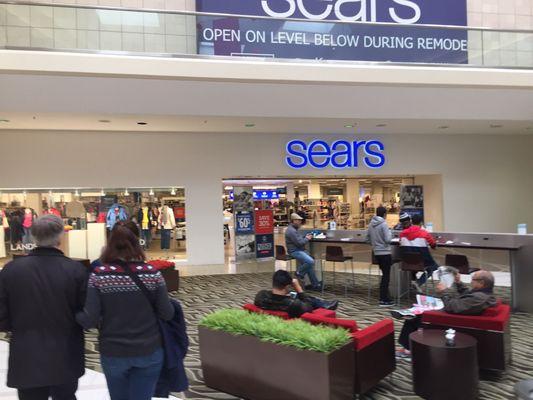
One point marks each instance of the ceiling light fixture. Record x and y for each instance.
(142, 123)
(348, 126)
(381, 125)
(102, 193)
(4, 120)
(126, 193)
(104, 121)
(151, 192)
(249, 125)
(173, 192)
(496, 126)
(50, 193)
(76, 193)
(443, 127)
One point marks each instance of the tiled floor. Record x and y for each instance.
(92, 385)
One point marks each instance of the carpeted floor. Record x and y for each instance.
(201, 295)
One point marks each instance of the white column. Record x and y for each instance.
(203, 214)
(313, 191)
(290, 192)
(352, 194)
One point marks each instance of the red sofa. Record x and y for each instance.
(374, 349)
(491, 329)
(285, 315)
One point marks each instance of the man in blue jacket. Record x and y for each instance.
(379, 236)
(296, 243)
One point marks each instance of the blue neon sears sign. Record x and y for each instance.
(339, 154)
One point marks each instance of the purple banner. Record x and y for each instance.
(231, 36)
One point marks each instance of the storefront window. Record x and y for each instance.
(90, 214)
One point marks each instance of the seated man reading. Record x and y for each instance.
(457, 300)
(287, 295)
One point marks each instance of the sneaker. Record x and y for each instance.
(386, 303)
(317, 287)
(403, 354)
(331, 305)
(396, 314)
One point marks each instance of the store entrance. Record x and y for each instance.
(324, 203)
(89, 215)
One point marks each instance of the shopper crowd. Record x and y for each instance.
(47, 299)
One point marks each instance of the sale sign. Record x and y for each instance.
(264, 222)
(244, 223)
(264, 245)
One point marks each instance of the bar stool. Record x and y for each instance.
(412, 262)
(281, 255)
(460, 262)
(335, 254)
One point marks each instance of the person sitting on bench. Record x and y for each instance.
(287, 295)
(459, 301)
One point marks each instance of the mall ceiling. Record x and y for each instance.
(73, 94)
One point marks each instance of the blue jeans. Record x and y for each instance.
(306, 265)
(146, 234)
(132, 378)
(165, 239)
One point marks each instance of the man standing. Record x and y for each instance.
(379, 236)
(414, 238)
(39, 296)
(296, 243)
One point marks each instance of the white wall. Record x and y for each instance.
(486, 180)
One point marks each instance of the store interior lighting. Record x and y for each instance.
(77, 193)
(102, 193)
(126, 193)
(152, 192)
(173, 192)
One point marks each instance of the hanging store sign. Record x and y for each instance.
(261, 195)
(340, 154)
(232, 36)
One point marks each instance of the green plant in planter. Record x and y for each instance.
(295, 333)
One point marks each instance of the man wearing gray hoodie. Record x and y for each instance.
(379, 236)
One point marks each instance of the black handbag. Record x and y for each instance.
(175, 343)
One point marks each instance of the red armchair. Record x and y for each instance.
(491, 329)
(285, 315)
(374, 349)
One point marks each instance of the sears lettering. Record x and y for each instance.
(402, 12)
(340, 154)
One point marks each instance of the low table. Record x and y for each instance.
(444, 372)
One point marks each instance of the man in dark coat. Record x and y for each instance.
(39, 296)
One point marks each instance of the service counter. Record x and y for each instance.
(493, 251)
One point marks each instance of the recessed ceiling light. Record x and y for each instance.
(4, 120)
(142, 123)
(496, 125)
(104, 121)
(381, 125)
(444, 127)
(350, 125)
(249, 125)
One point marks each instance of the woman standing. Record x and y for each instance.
(130, 340)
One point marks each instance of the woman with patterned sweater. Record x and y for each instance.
(130, 340)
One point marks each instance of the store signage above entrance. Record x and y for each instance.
(234, 36)
(340, 154)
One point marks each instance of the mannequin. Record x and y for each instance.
(116, 213)
(27, 223)
(145, 219)
(167, 222)
(4, 226)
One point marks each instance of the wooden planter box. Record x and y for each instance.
(172, 279)
(246, 367)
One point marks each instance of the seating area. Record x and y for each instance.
(201, 295)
